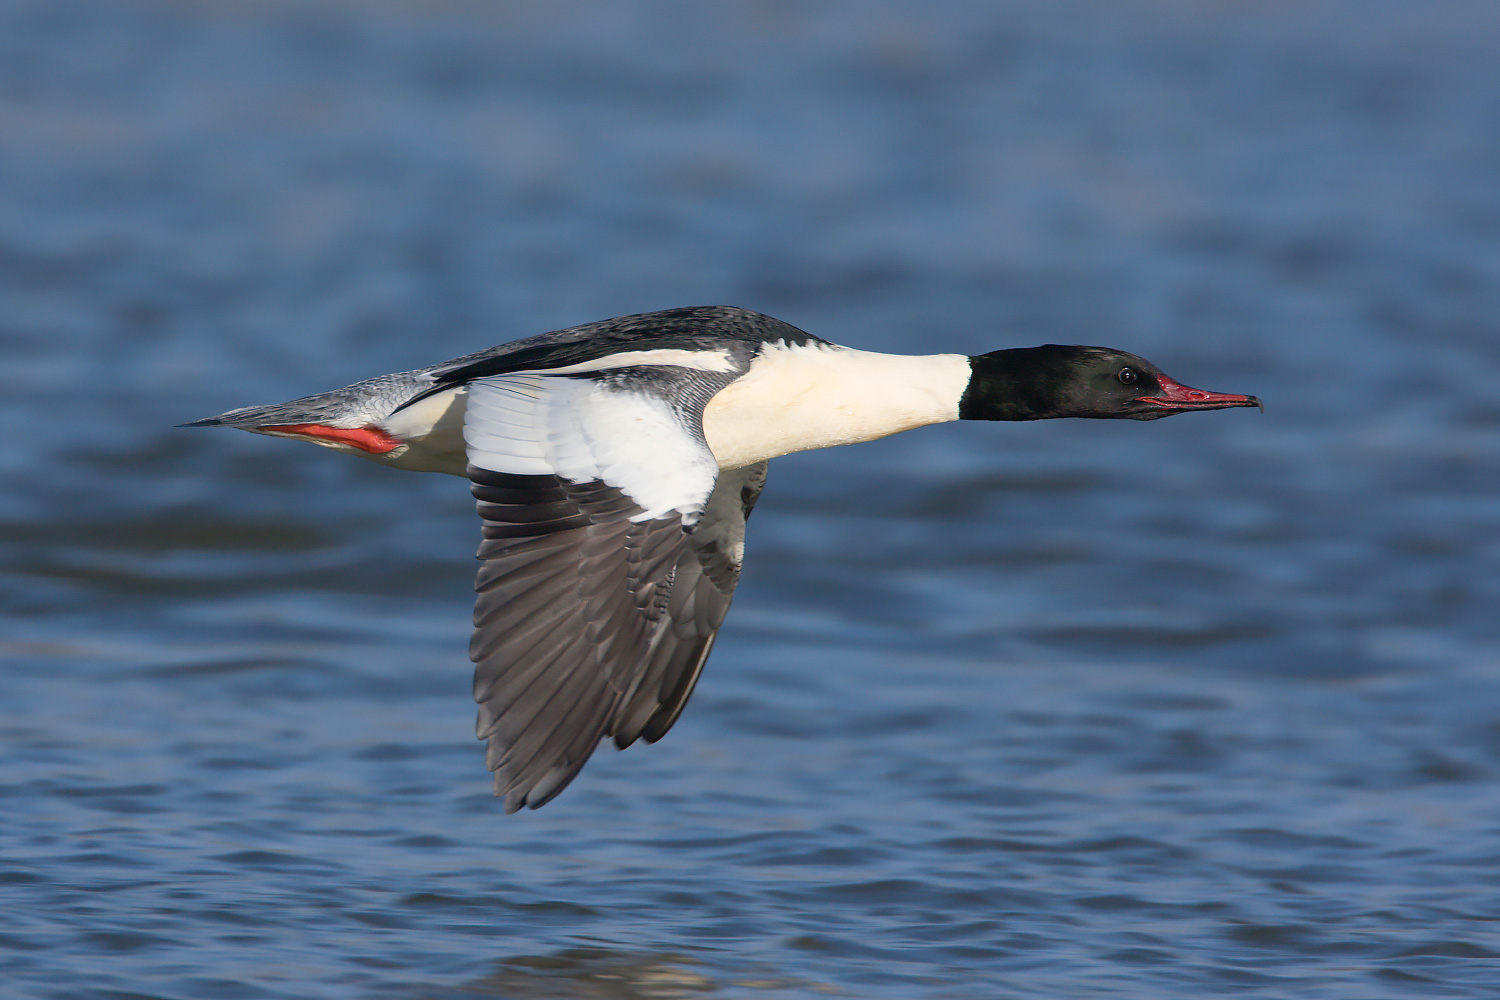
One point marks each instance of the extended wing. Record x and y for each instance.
(611, 549)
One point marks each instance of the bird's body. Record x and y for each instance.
(614, 465)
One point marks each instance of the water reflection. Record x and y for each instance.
(603, 974)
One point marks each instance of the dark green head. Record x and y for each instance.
(1054, 380)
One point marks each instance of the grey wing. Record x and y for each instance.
(599, 596)
(702, 586)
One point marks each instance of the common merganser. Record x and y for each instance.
(614, 465)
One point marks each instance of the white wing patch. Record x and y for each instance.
(584, 432)
(703, 361)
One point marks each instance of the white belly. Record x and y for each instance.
(433, 430)
(791, 399)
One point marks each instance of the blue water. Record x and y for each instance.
(1199, 707)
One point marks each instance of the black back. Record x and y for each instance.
(692, 328)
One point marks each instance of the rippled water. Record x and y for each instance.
(1192, 708)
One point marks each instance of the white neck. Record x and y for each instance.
(795, 398)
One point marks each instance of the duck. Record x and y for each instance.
(614, 466)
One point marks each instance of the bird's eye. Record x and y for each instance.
(1127, 376)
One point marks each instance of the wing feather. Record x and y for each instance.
(707, 569)
(607, 566)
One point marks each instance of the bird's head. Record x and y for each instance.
(1054, 380)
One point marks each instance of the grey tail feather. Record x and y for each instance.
(251, 417)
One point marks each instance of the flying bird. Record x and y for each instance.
(614, 465)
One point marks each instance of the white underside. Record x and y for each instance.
(434, 431)
(793, 398)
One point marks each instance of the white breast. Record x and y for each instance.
(795, 398)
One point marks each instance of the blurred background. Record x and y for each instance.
(1194, 707)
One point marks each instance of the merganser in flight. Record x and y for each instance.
(614, 465)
